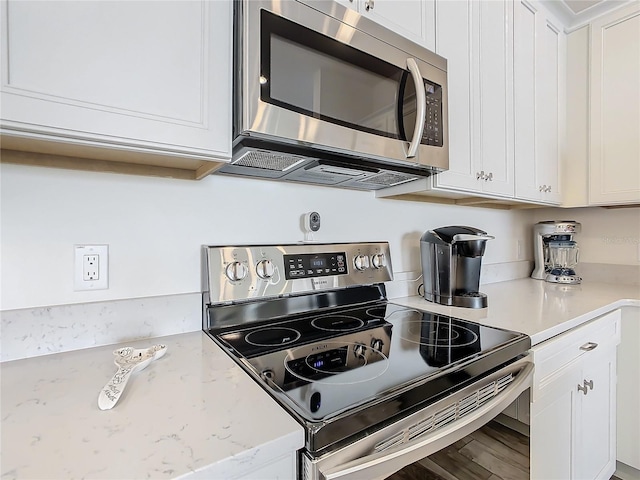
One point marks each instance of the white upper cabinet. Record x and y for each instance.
(538, 55)
(475, 38)
(614, 166)
(413, 19)
(151, 77)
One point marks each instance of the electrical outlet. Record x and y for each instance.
(519, 252)
(91, 270)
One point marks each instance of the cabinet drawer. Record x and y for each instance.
(556, 353)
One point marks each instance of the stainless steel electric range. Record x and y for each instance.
(376, 386)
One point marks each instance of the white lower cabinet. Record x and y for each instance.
(573, 409)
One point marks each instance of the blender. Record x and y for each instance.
(555, 251)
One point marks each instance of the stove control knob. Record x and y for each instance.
(236, 271)
(378, 260)
(377, 344)
(359, 350)
(361, 262)
(265, 269)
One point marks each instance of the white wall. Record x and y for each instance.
(154, 228)
(609, 235)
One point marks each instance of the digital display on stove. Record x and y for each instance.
(307, 265)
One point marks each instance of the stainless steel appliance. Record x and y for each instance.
(326, 96)
(376, 386)
(555, 251)
(451, 261)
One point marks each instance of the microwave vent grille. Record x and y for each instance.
(268, 160)
(389, 179)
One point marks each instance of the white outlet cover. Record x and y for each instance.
(100, 283)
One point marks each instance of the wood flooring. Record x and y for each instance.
(494, 452)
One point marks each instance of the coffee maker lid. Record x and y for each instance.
(455, 233)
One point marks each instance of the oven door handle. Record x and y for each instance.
(421, 107)
(382, 464)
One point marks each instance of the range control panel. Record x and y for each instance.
(239, 273)
(315, 265)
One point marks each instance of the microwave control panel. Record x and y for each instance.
(432, 134)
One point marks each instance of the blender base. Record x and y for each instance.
(566, 279)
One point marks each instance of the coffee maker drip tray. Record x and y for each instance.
(464, 299)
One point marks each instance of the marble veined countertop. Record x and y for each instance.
(539, 309)
(193, 410)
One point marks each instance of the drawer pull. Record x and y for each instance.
(587, 347)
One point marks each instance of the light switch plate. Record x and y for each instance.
(91, 267)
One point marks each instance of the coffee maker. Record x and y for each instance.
(555, 251)
(451, 261)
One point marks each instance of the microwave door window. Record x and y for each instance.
(317, 76)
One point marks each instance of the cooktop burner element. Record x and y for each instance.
(337, 323)
(272, 336)
(442, 331)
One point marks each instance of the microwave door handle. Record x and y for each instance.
(382, 464)
(420, 107)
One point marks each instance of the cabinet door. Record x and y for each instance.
(152, 75)
(537, 78)
(475, 37)
(553, 420)
(614, 176)
(454, 41)
(493, 62)
(549, 104)
(411, 18)
(595, 438)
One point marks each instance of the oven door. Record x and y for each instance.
(416, 436)
(305, 77)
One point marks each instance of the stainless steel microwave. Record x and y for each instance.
(326, 96)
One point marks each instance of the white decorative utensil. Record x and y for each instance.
(128, 360)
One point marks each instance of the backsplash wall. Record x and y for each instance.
(155, 227)
(608, 236)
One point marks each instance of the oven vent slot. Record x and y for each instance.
(504, 381)
(421, 427)
(468, 404)
(486, 393)
(447, 415)
(390, 442)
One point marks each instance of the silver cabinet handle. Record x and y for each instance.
(480, 175)
(587, 347)
(489, 177)
(421, 105)
(585, 387)
(368, 5)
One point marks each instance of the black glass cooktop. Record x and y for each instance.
(320, 365)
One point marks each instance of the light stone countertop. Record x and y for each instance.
(193, 410)
(539, 309)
